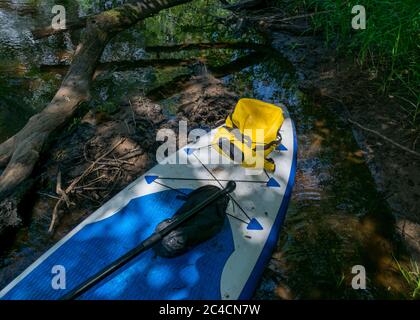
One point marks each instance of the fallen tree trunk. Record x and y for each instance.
(148, 8)
(21, 152)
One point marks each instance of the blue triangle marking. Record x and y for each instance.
(272, 183)
(150, 179)
(188, 151)
(254, 225)
(281, 147)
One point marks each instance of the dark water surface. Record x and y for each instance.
(336, 219)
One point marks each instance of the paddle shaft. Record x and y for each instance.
(146, 244)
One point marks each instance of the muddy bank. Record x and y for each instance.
(353, 94)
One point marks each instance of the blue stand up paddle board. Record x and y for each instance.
(228, 266)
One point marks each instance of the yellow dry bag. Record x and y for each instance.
(251, 133)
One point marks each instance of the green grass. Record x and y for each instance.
(389, 46)
(411, 275)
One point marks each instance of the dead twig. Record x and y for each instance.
(91, 167)
(308, 15)
(94, 188)
(64, 193)
(63, 197)
(81, 193)
(119, 161)
(91, 182)
(48, 195)
(128, 128)
(385, 138)
(132, 153)
(60, 191)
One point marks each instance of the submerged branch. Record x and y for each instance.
(207, 46)
(238, 64)
(173, 86)
(122, 65)
(125, 65)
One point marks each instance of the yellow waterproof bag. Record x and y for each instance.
(251, 133)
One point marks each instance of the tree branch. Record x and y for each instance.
(23, 149)
(127, 14)
(415, 153)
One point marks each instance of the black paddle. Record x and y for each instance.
(146, 244)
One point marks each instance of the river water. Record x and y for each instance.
(336, 218)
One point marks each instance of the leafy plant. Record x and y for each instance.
(411, 274)
(388, 46)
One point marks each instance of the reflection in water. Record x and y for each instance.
(23, 89)
(336, 218)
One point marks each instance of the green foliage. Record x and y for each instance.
(411, 274)
(197, 21)
(389, 45)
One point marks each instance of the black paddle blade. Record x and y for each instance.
(204, 225)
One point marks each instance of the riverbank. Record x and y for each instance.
(376, 118)
(336, 218)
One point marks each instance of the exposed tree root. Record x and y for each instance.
(21, 152)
